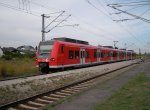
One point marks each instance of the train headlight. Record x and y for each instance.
(52, 59)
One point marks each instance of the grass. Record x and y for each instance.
(135, 95)
(17, 67)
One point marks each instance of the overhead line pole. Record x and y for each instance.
(115, 42)
(43, 26)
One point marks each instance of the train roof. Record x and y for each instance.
(65, 39)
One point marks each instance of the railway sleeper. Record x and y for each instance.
(50, 98)
(81, 88)
(43, 101)
(89, 84)
(35, 104)
(11, 108)
(57, 96)
(75, 90)
(62, 93)
(26, 107)
(68, 91)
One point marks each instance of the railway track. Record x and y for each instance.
(38, 101)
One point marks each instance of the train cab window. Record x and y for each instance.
(62, 49)
(87, 54)
(71, 54)
(76, 54)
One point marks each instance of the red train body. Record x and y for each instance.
(65, 52)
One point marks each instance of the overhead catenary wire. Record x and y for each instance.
(55, 19)
(124, 28)
(135, 16)
(59, 23)
(57, 12)
(18, 9)
(112, 20)
(134, 2)
(132, 35)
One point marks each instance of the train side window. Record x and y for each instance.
(87, 54)
(62, 49)
(110, 54)
(76, 54)
(71, 54)
(95, 53)
(106, 54)
(114, 54)
(102, 54)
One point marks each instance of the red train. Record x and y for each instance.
(66, 52)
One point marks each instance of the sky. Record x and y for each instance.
(21, 22)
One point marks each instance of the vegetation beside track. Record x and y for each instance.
(135, 95)
(17, 67)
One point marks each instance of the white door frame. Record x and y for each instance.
(98, 55)
(82, 56)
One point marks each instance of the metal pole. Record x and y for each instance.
(115, 42)
(43, 27)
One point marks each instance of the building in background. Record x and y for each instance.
(26, 49)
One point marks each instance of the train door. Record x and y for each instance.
(98, 55)
(118, 55)
(82, 56)
(111, 56)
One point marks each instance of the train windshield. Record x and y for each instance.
(45, 50)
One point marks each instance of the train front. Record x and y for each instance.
(43, 55)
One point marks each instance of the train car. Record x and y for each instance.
(66, 52)
(106, 54)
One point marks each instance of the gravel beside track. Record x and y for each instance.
(17, 89)
(99, 68)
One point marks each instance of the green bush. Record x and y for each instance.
(13, 55)
(7, 57)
